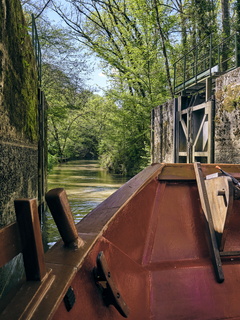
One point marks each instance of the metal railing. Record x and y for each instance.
(37, 50)
(206, 59)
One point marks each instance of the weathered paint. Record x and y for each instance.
(153, 234)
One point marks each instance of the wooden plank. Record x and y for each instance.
(31, 238)
(177, 172)
(27, 299)
(230, 254)
(220, 195)
(207, 211)
(185, 171)
(10, 244)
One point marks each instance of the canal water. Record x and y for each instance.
(86, 185)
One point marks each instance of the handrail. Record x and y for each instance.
(207, 58)
(37, 50)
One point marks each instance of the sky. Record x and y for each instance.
(97, 79)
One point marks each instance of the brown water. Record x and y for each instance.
(86, 185)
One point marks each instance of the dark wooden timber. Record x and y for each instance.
(220, 192)
(185, 171)
(10, 243)
(59, 206)
(31, 238)
(206, 208)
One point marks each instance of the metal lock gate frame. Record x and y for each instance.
(194, 133)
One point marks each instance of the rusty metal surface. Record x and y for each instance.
(153, 235)
(132, 280)
(159, 242)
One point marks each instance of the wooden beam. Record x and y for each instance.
(207, 211)
(10, 243)
(220, 194)
(208, 88)
(31, 239)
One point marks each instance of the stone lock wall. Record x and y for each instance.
(163, 132)
(227, 118)
(18, 125)
(226, 123)
(18, 111)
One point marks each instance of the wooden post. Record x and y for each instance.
(30, 234)
(59, 206)
(208, 94)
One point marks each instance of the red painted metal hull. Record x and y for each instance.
(153, 235)
(158, 249)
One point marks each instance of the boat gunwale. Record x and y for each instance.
(60, 258)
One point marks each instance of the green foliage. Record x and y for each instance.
(67, 106)
(52, 161)
(124, 144)
(137, 42)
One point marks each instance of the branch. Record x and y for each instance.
(45, 6)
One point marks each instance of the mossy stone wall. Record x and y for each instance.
(163, 132)
(227, 118)
(18, 111)
(226, 123)
(18, 124)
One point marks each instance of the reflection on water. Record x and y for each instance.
(86, 185)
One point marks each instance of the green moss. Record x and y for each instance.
(20, 85)
(231, 100)
(219, 94)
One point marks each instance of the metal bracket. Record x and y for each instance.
(106, 284)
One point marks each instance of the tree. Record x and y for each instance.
(137, 42)
(63, 82)
(122, 34)
(134, 46)
(67, 105)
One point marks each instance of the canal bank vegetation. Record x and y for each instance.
(137, 42)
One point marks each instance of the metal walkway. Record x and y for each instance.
(207, 60)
